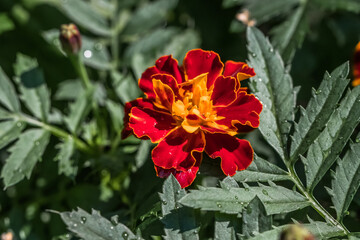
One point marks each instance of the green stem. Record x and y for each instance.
(314, 203)
(81, 70)
(55, 131)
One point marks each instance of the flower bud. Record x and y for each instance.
(296, 232)
(70, 38)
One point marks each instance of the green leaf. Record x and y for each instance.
(335, 5)
(4, 115)
(143, 153)
(64, 157)
(318, 110)
(179, 221)
(8, 96)
(320, 230)
(95, 227)
(231, 3)
(126, 87)
(226, 226)
(261, 170)
(182, 43)
(9, 131)
(35, 94)
(78, 111)
(148, 16)
(6, 23)
(24, 155)
(273, 86)
(276, 199)
(84, 15)
(346, 180)
(328, 146)
(69, 90)
(255, 219)
(290, 35)
(116, 113)
(264, 10)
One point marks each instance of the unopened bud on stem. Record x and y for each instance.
(70, 38)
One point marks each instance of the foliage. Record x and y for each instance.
(60, 137)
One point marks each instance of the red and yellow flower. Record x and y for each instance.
(356, 66)
(198, 107)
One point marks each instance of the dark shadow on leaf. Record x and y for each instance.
(171, 220)
(33, 78)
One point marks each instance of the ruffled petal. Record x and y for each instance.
(164, 65)
(176, 150)
(224, 91)
(198, 61)
(245, 110)
(140, 102)
(240, 70)
(164, 95)
(236, 154)
(185, 177)
(150, 123)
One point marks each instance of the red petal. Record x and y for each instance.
(245, 110)
(150, 123)
(238, 69)
(164, 65)
(177, 150)
(236, 154)
(186, 177)
(140, 102)
(198, 61)
(224, 91)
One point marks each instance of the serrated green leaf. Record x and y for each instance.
(143, 153)
(69, 90)
(116, 113)
(179, 221)
(95, 227)
(318, 110)
(264, 10)
(79, 110)
(97, 54)
(255, 219)
(335, 5)
(182, 43)
(9, 131)
(273, 86)
(64, 157)
(228, 183)
(289, 35)
(346, 180)
(320, 230)
(328, 146)
(276, 199)
(148, 16)
(261, 170)
(125, 87)
(4, 115)
(8, 96)
(35, 94)
(226, 226)
(84, 15)
(24, 155)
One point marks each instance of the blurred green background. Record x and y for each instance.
(145, 30)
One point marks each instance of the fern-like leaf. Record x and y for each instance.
(8, 96)
(328, 146)
(346, 180)
(273, 86)
(318, 110)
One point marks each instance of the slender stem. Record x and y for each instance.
(55, 131)
(314, 203)
(80, 68)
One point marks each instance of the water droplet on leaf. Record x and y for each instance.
(88, 54)
(265, 192)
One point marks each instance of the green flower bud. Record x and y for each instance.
(70, 38)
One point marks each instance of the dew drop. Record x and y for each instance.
(265, 192)
(125, 235)
(75, 225)
(249, 210)
(254, 54)
(247, 189)
(357, 140)
(98, 46)
(219, 205)
(318, 92)
(83, 220)
(164, 202)
(260, 80)
(37, 143)
(271, 50)
(112, 227)
(208, 55)
(19, 124)
(88, 54)
(236, 197)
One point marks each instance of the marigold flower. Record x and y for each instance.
(70, 38)
(356, 66)
(198, 107)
